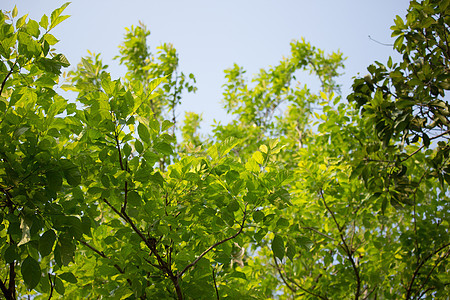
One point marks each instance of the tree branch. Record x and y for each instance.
(281, 275)
(345, 247)
(6, 78)
(419, 266)
(151, 244)
(317, 231)
(215, 285)
(5, 291)
(104, 256)
(12, 280)
(51, 286)
(215, 245)
(113, 208)
(279, 269)
(116, 137)
(100, 253)
(421, 147)
(438, 261)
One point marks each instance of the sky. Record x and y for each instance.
(211, 35)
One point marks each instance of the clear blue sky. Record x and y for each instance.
(211, 35)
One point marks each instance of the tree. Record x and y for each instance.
(303, 195)
(37, 173)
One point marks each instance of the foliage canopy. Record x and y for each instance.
(304, 194)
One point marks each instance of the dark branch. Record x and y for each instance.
(419, 266)
(113, 208)
(6, 78)
(215, 245)
(104, 256)
(345, 247)
(5, 291)
(51, 286)
(282, 277)
(151, 244)
(215, 285)
(384, 44)
(438, 261)
(303, 289)
(317, 231)
(421, 147)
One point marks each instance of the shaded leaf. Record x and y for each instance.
(31, 272)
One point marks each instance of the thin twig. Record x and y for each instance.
(214, 245)
(51, 286)
(317, 231)
(113, 208)
(116, 137)
(345, 247)
(282, 277)
(6, 77)
(438, 261)
(215, 285)
(299, 286)
(421, 147)
(104, 256)
(384, 44)
(419, 266)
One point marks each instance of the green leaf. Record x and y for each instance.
(290, 251)
(11, 254)
(399, 42)
(258, 157)
(95, 190)
(263, 149)
(20, 131)
(46, 242)
(108, 85)
(258, 216)
(44, 22)
(31, 272)
(62, 60)
(71, 172)
(21, 21)
(54, 180)
(56, 18)
(64, 250)
(50, 39)
(143, 133)
(166, 125)
(163, 148)
(134, 199)
(154, 83)
(278, 246)
(154, 125)
(59, 286)
(237, 274)
(282, 222)
(69, 277)
(252, 166)
(33, 28)
(138, 146)
(157, 178)
(14, 11)
(233, 206)
(228, 145)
